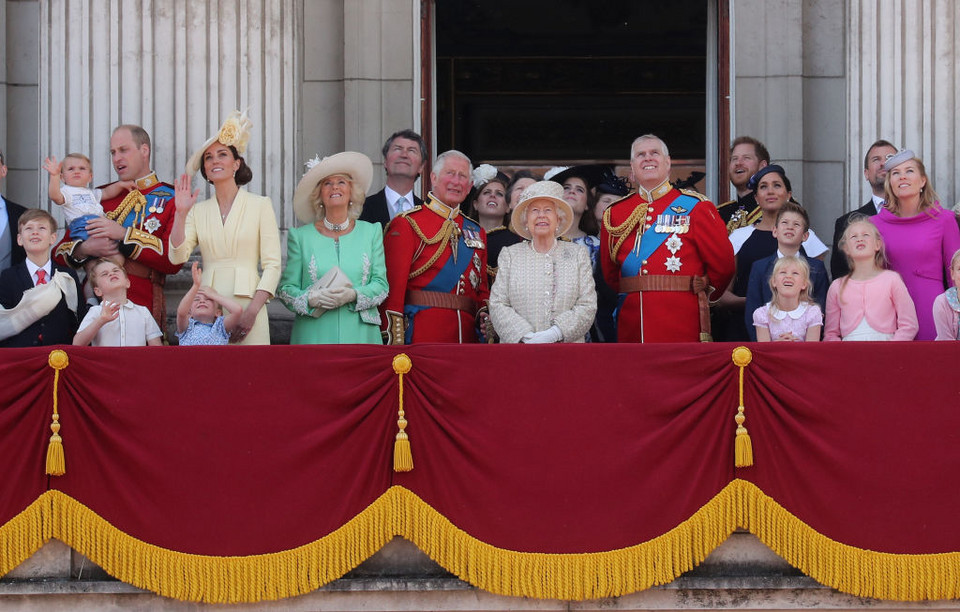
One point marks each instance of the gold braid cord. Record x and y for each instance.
(134, 201)
(56, 463)
(743, 446)
(442, 236)
(402, 455)
(620, 232)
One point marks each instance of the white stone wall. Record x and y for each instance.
(19, 27)
(789, 92)
(903, 59)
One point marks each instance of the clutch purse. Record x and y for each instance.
(333, 279)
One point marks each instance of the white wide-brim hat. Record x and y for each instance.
(235, 132)
(355, 165)
(542, 190)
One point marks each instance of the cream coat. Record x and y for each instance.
(235, 251)
(534, 291)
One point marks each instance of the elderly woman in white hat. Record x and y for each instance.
(335, 276)
(544, 290)
(236, 230)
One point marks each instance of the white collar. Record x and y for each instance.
(794, 314)
(32, 269)
(393, 196)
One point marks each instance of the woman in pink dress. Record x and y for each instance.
(920, 236)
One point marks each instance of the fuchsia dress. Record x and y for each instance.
(920, 248)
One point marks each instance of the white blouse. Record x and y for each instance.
(534, 291)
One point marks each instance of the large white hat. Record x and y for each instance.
(349, 163)
(542, 190)
(235, 132)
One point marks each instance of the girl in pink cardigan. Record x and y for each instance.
(946, 308)
(870, 303)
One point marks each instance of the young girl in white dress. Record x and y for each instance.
(791, 315)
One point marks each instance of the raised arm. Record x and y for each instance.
(52, 166)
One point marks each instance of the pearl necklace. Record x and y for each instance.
(335, 227)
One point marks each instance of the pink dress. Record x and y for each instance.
(797, 321)
(920, 248)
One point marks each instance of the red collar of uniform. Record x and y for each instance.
(440, 208)
(657, 192)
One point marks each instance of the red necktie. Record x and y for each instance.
(41, 277)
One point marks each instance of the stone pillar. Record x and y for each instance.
(903, 59)
(19, 31)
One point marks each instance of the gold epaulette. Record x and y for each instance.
(408, 211)
(727, 203)
(694, 194)
(623, 198)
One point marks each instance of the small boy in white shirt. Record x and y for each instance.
(80, 203)
(116, 321)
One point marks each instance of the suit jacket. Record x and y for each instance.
(58, 327)
(14, 210)
(375, 208)
(838, 261)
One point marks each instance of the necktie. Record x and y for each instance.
(41, 277)
(401, 204)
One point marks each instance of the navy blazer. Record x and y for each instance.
(375, 208)
(838, 261)
(14, 210)
(759, 292)
(58, 327)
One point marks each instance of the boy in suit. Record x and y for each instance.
(41, 297)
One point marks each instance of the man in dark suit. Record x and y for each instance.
(10, 252)
(873, 171)
(51, 317)
(403, 157)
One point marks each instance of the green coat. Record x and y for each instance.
(310, 255)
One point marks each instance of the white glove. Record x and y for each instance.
(547, 336)
(320, 298)
(343, 296)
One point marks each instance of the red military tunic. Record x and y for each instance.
(700, 248)
(145, 245)
(419, 248)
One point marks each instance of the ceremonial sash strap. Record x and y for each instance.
(435, 299)
(663, 282)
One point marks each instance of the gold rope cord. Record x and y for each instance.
(56, 461)
(620, 232)
(743, 446)
(402, 454)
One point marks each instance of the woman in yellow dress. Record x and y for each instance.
(237, 231)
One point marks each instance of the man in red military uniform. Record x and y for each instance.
(436, 263)
(664, 250)
(137, 225)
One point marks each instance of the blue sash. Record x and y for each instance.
(650, 241)
(446, 279)
(653, 240)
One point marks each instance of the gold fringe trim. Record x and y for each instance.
(211, 579)
(24, 534)
(399, 511)
(743, 446)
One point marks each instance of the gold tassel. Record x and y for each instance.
(743, 447)
(402, 455)
(56, 462)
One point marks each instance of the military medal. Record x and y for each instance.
(472, 238)
(152, 224)
(674, 243)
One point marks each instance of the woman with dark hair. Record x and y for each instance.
(920, 235)
(520, 181)
(488, 205)
(236, 230)
(752, 243)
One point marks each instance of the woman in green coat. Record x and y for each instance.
(335, 276)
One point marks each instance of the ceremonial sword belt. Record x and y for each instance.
(686, 284)
(135, 268)
(436, 299)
